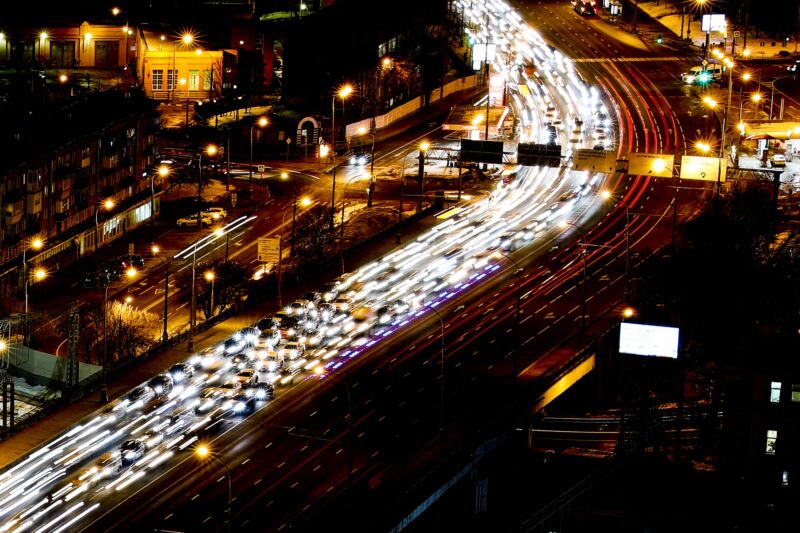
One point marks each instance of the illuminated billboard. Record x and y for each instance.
(703, 168)
(648, 340)
(656, 165)
(714, 22)
(594, 160)
(497, 89)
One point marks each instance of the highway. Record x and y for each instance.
(375, 403)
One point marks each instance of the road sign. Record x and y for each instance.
(234, 197)
(481, 151)
(539, 155)
(594, 160)
(269, 249)
(262, 168)
(656, 165)
(703, 168)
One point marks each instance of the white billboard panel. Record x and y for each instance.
(656, 165)
(484, 52)
(713, 22)
(651, 341)
(594, 160)
(703, 168)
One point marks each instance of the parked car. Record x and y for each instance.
(214, 213)
(777, 160)
(94, 280)
(131, 260)
(188, 222)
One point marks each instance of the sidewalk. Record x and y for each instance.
(669, 15)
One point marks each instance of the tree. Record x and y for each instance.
(130, 330)
(230, 284)
(314, 239)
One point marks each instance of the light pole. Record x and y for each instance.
(211, 277)
(342, 93)
(183, 81)
(210, 150)
(745, 77)
(35, 244)
(261, 122)
(131, 272)
(442, 426)
(108, 205)
(341, 225)
(498, 254)
(203, 452)
(193, 305)
(362, 131)
(163, 172)
(423, 149)
(185, 40)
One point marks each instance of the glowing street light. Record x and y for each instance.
(261, 123)
(211, 277)
(343, 92)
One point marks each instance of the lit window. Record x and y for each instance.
(172, 78)
(206, 80)
(194, 80)
(158, 79)
(772, 437)
(795, 392)
(775, 392)
(785, 478)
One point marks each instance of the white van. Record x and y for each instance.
(695, 74)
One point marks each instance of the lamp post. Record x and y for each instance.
(371, 190)
(210, 276)
(183, 81)
(341, 225)
(342, 93)
(108, 205)
(423, 149)
(185, 40)
(261, 122)
(193, 304)
(163, 172)
(35, 244)
(210, 150)
(203, 452)
(498, 254)
(442, 426)
(131, 272)
(745, 77)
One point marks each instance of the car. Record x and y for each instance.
(214, 213)
(585, 9)
(292, 350)
(247, 377)
(777, 160)
(190, 221)
(152, 438)
(132, 450)
(131, 260)
(178, 421)
(329, 291)
(270, 362)
(93, 280)
(208, 401)
(312, 297)
(266, 323)
(109, 464)
(297, 308)
(241, 404)
(263, 391)
(229, 388)
(161, 385)
(341, 303)
(141, 395)
(271, 337)
(326, 311)
(181, 372)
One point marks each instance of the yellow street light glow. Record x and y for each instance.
(211, 149)
(284, 175)
(202, 451)
(199, 51)
(746, 76)
(37, 243)
(115, 11)
(131, 272)
(756, 97)
(424, 145)
(209, 275)
(163, 170)
(362, 130)
(187, 38)
(323, 150)
(43, 36)
(155, 249)
(263, 121)
(703, 147)
(3, 345)
(345, 91)
(387, 62)
(87, 36)
(319, 370)
(182, 81)
(63, 78)
(659, 165)
(108, 204)
(219, 232)
(628, 312)
(605, 194)
(746, 52)
(128, 299)
(305, 201)
(741, 128)
(477, 119)
(40, 274)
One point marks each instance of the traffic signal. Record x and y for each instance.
(659, 40)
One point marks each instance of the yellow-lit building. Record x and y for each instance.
(177, 68)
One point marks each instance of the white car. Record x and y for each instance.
(214, 213)
(187, 222)
(292, 350)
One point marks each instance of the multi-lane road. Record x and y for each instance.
(387, 401)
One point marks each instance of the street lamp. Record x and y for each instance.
(745, 78)
(210, 150)
(261, 123)
(210, 277)
(108, 205)
(423, 149)
(342, 93)
(498, 254)
(362, 131)
(341, 225)
(183, 81)
(131, 272)
(203, 452)
(35, 244)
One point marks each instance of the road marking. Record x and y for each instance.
(246, 461)
(281, 465)
(268, 445)
(316, 468)
(293, 485)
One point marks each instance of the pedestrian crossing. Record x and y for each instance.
(626, 59)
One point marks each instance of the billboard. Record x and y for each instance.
(656, 165)
(713, 23)
(269, 249)
(484, 52)
(594, 160)
(497, 89)
(703, 168)
(648, 340)
(541, 155)
(481, 151)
